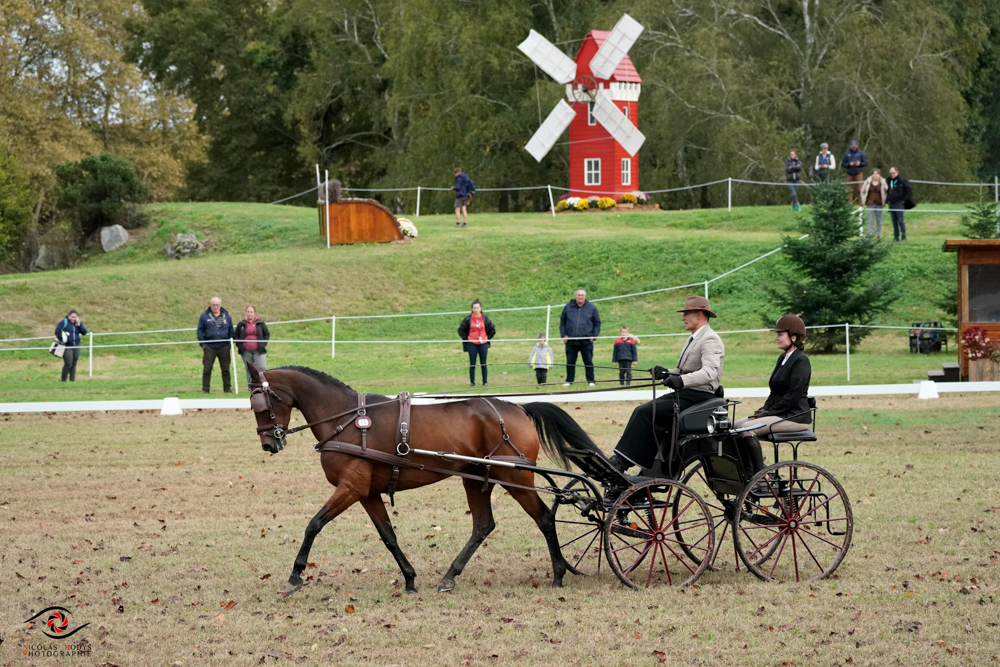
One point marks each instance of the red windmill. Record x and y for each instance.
(604, 86)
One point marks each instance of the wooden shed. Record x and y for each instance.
(978, 289)
(358, 221)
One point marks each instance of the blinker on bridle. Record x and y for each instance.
(260, 401)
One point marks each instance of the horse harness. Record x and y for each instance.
(260, 401)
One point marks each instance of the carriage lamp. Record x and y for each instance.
(721, 418)
(710, 425)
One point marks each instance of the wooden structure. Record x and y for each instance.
(358, 221)
(598, 163)
(978, 289)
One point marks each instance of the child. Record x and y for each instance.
(626, 354)
(541, 359)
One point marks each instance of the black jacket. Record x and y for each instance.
(580, 322)
(463, 330)
(792, 168)
(789, 388)
(899, 191)
(262, 335)
(854, 156)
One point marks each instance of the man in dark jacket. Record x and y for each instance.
(464, 189)
(900, 193)
(215, 329)
(579, 325)
(793, 169)
(854, 164)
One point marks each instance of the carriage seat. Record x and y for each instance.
(805, 435)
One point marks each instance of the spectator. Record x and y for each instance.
(215, 330)
(873, 197)
(475, 331)
(541, 359)
(825, 162)
(793, 167)
(251, 341)
(900, 197)
(854, 164)
(465, 190)
(625, 355)
(579, 325)
(68, 332)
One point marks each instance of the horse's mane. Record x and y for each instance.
(317, 375)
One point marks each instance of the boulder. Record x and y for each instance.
(113, 237)
(47, 259)
(184, 245)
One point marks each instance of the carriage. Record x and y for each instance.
(791, 520)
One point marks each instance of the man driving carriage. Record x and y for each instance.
(694, 380)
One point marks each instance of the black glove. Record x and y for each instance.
(659, 373)
(674, 382)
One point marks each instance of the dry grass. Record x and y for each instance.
(147, 527)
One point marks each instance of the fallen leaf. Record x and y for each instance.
(227, 604)
(349, 609)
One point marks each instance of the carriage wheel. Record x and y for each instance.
(695, 479)
(799, 528)
(645, 542)
(581, 536)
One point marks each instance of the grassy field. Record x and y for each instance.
(171, 537)
(272, 256)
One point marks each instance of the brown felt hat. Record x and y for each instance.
(698, 303)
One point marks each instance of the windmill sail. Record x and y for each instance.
(555, 124)
(615, 47)
(546, 55)
(617, 125)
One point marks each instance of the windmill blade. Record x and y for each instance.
(617, 125)
(555, 124)
(547, 55)
(615, 47)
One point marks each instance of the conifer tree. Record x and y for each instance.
(981, 222)
(832, 278)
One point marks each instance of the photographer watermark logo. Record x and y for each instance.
(56, 622)
(56, 625)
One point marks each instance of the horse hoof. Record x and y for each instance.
(411, 589)
(292, 588)
(446, 586)
(557, 584)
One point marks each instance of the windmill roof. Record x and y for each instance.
(625, 72)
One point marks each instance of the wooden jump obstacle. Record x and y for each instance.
(358, 221)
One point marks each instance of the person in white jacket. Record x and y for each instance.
(541, 359)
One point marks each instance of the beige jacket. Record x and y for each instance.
(701, 361)
(866, 186)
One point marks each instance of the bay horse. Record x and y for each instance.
(471, 428)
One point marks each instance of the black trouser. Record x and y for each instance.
(638, 442)
(586, 350)
(208, 360)
(898, 226)
(541, 375)
(480, 350)
(625, 372)
(70, 357)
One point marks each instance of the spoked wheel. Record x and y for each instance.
(580, 527)
(796, 523)
(648, 545)
(695, 479)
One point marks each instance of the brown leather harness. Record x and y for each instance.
(260, 401)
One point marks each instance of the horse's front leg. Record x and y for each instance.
(376, 510)
(345, 496)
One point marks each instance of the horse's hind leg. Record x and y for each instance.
(343, 497)
(546, 520)
(376, 510)
(482, 525)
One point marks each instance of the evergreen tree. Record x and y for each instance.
(832, 279)
(981, 222)
(98, 191)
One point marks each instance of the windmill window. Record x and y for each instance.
(626, 171)
(590, 114)
(592, 171)
(625, 110)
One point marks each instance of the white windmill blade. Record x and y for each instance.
(555, 124)
(547, 55)
(615, 47)
(618, 125)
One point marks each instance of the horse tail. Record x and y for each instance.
(558, 432)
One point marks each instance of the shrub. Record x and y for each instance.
(98, 191)
(604, 203)
(629, 198)
(16, 203)
(981, 220)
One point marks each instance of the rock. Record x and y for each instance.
(48, 259)
(113, 237)
(186, 244)
(333, 187)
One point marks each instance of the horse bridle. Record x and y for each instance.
(260, 401)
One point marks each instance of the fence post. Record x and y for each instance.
(847, 336)
(706, 289)
(730, 179)
(418, 202)
(996, 203)
(90, 356)
(861, 222)
(326, 208)
(333, 336)
(548, 316)
(552, 207)
(236, 375)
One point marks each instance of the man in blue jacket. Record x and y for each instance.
(215, 329)
(579, 325)
(464, 190)
(854, 164)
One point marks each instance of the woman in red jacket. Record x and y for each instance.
(476, 330)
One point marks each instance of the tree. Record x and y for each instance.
(16, 203)
(982, 220)
(832, 278)
(98, 191)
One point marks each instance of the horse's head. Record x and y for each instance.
(272, 407)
